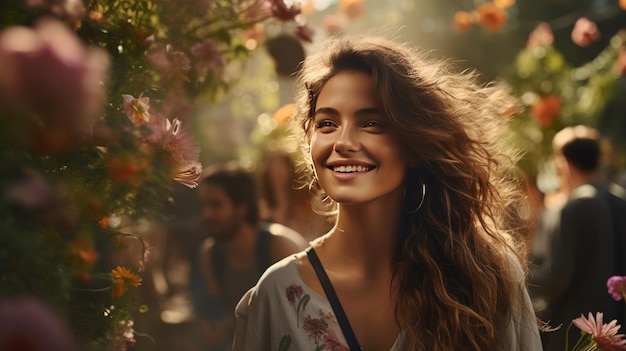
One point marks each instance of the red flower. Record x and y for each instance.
(284, 13)
(492, 17)
(316, 328)
(545, 109)
(293, 292)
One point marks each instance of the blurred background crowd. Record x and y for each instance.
(112, 110)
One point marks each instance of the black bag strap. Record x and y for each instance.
(346, 329)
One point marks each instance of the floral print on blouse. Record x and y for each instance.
(281, 313)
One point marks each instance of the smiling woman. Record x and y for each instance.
(422, 255)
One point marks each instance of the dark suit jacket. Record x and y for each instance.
(582, 256)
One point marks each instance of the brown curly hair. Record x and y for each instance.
(456, 256)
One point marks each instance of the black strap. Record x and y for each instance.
(346, 329)
(263, 251)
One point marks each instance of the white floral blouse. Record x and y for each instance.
(281, 313)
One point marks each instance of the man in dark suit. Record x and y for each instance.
(586, 244)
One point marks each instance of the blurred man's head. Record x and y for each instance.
(576, 149)
(229, 199)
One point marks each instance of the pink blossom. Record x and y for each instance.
(604, 335)
(28, 324)
(137, 109)
(208, 57)
(181, 147)
(305, 33)
(176, 102)
(281, 11)
(293, 292)
(333, 343)
(542, 35)
(180, 143)
(32, 193)
(316, 328)
(48, 73)
(73, 9)
(334, 24)
(170, 62)
(585, 32)
(617, 287)
(256, 10)
(188, 174)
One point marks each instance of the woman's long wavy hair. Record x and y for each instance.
(454, 256)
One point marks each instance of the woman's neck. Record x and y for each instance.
(364, 237)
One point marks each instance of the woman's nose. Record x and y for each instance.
(347, 141)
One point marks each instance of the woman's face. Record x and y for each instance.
(356, 157)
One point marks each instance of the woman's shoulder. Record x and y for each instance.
(285, 269)
(276, 277)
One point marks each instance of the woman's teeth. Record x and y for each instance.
(350, 169)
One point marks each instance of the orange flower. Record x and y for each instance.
(503, 4)
(492, 17)
(118, 288)
(122, 279)
(83, 252)
(284, 113)
(622, 4)
(352, 8)
(120, 170)
(104, 222)
(463, 21)
(545, 109)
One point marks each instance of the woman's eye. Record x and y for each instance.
(373, 124)
(324, 124)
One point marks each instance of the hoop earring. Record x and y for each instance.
(419, 206)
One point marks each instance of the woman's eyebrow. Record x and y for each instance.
(360, 112)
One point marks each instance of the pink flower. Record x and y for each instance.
(617, 287)
(180, 143)
(293, 292)
(316, 328)
(334, 24)
(28, 324)
(603, 335)
(333, 343)
(541, 36)
(208, 57)
(585, 32)
(73, 9)
(48, 73)
(170, 62)
(137, 109)
(181, 147)
(305, 33)
(281, 11)
(256, 10)
(188, 174)
(176, 102)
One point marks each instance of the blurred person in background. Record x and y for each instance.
(287, 202)
(238, 249)
(584, 242)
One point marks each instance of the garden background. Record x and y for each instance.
(110, 109)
